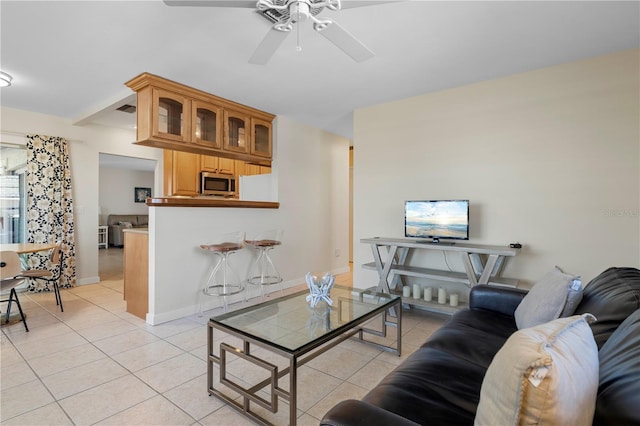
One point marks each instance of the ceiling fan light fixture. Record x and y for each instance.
(299, 11)
(5, 79)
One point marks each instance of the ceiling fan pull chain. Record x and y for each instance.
(298, 46)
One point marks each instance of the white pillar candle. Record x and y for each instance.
(416, 291)
(442, 296)
(406, 291)
(453, 299)
(427, 294)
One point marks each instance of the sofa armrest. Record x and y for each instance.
(116, 236)
(354, 412)
(503, 300)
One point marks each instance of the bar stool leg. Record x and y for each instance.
(263, 271)
(230, 281)
(275, 270)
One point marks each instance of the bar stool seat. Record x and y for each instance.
(223, 281)
(263, 271)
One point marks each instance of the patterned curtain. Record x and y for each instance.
(49, 205)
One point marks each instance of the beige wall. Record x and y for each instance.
(311, 170)
(549, 158)
(86, 144)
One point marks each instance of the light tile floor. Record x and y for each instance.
(96, 364)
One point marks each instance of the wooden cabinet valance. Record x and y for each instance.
(180, 118)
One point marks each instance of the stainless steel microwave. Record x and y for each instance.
(217, 184)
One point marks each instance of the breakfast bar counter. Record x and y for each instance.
(204, 201)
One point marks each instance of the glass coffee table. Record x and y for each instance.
(291, 328)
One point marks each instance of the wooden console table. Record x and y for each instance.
(482, 263)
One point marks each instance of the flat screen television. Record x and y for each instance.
(436, 219)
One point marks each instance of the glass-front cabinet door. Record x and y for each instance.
(236, 131)
(171, 116)
(206, 124)
(260, 137)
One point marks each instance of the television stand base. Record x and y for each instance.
(483, 264)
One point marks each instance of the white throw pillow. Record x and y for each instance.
(543, 375)
(556, 295)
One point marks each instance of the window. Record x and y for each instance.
(13, 194)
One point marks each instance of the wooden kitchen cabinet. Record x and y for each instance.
(240, 168)
(206, 124)
(252, 169)
(181, 173)
(220, 165)
(236, 131)
(260, 139)
(136, 272)
(171, 116)
(226, 166)
(176, 117)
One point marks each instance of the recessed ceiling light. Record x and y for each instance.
(5, 79)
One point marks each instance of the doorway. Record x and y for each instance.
(119, 176)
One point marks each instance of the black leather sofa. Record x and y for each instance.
(440, 383)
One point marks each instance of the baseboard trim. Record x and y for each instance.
(88, 280)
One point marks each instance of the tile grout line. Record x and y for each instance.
(161, 337)
(129, 372)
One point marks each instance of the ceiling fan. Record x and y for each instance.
(285, 14)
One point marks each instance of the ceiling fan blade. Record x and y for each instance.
(347, 42)
(348, 4)
(211, 3)
(268, 46)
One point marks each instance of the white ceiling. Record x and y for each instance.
(71, 59)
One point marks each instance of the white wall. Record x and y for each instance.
(549, 158)
(85, 145)
(312, 171)
(310, 166)
(116, 191)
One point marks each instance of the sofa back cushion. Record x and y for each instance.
(142, 220)
(115, 219)
(619, 391)
(611, 297)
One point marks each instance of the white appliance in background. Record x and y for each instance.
(258, 188)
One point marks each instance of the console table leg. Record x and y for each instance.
(399, 259)
(384, 269)
(468, 267)
(488, 268)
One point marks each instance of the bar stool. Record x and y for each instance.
(223, 281)
(263, 272)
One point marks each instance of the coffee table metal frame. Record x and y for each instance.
(297, 357)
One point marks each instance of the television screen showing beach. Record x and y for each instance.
(442, 219)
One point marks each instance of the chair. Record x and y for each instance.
(263, 272)
(52, 276)
(9, 268)
(223, 281)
